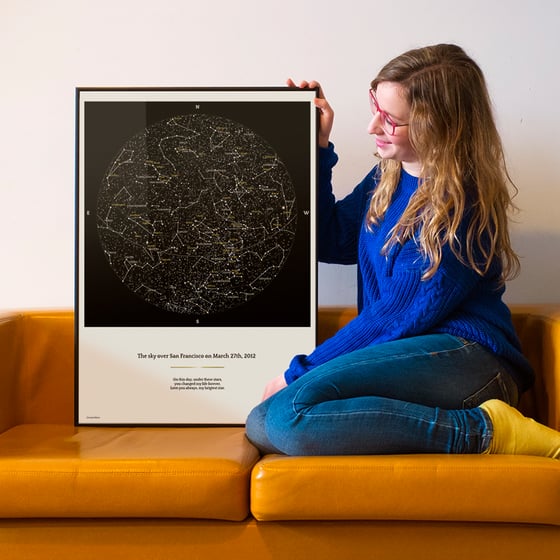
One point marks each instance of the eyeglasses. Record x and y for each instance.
(387, 123)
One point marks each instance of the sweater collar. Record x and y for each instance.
(408, 183)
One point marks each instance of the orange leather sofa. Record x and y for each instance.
(71, 492)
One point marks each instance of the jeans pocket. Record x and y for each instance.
(501, 386)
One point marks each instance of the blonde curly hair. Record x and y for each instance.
(452, 130)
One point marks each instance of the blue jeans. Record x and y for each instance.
(416, 395)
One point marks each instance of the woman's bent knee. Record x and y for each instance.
(255, 429)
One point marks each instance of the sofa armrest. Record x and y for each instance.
(10, 351)
(538, 328)
(37, 371)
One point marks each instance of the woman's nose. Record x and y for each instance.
(374, 127)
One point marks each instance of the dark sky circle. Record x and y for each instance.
(196, 214)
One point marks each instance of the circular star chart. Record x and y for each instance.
(196, 214)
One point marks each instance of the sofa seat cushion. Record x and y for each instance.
(478, 488)
(63, 471)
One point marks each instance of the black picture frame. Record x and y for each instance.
(195, 225)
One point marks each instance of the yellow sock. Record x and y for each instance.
(514, 434)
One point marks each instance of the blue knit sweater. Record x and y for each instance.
(393, 301)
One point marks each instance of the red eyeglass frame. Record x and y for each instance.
(386, 118)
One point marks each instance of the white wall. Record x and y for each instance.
(48, 47)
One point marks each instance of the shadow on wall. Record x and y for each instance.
(538, 282)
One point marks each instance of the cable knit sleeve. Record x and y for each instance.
(338, 222)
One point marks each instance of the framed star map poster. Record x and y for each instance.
(195, 268)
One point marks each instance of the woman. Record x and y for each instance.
(431, 364)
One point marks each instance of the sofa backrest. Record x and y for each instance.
(37, 368)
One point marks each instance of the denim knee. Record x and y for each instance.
(255, 428)
(288, 430)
